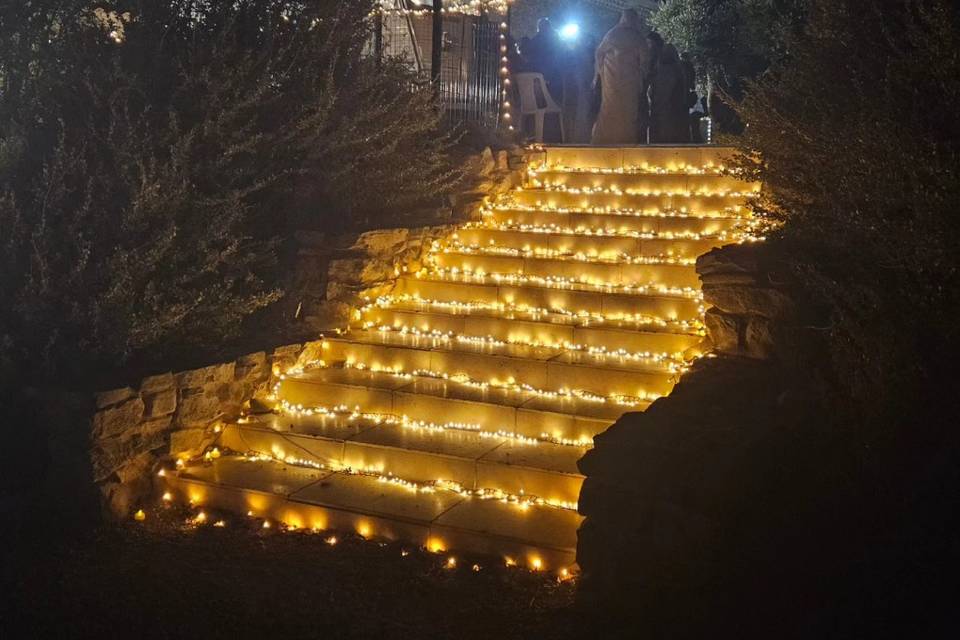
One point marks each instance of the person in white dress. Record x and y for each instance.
(622, 60)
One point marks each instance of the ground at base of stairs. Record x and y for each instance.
(163, 579)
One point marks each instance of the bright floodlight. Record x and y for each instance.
(570, 31)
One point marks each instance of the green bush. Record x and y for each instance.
(149, 155)
(859, 145)
(729, 40)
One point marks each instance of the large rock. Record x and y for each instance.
(749, 300)
(724, 330)
(116, 419)
(381, 242)
(197, 409)
(684, 503)
(189, 442)
(252, 368)
(154, 384)
(113, 397)
(161, 403)
(197, 378)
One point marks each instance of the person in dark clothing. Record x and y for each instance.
(656, 46)
(543, 55)
(669, 109)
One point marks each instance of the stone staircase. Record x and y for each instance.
(453, 410)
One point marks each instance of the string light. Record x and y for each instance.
(641, 397)
(537, 222)
(406, 422)
(581, 317)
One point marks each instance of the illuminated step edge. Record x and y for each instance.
(521, 236)
(542, 371)
(583, 300)
(645, 181)
(669, 157)
(535, 329)
(636, 396)
(623, 223)
(427, 399)
(561, 257)
(735, 212)
(435, 349)
(645, 169)
(583, 284)
(564, 198)
(351, 421)
(538, 537)
(488, 464)
(741, 191)
(623, 321)
(627, 270)
(565, 351)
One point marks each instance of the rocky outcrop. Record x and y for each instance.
(172, 415)
(749, 300)
(680, 498)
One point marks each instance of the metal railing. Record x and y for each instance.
(469, 81)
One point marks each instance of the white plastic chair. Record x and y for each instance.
(535, 100)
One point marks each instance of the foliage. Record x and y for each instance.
(149, 152)
(860, 159)
(729, 39)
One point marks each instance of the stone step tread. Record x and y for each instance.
(490, 281)
(593, 234)
(566, 258)
(541, 318)
(450, 389)
(545, 527)
(615, 215)
(540, 456)
(395, 339)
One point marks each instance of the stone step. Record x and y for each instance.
(621, 223)
(638, 179)
(694, 203)
(616, 271)
(435, 400)
(576, 298)
(569, 240)
(673, 158)
(551, 369)
(473, 460)
(529, 327)
(539, 537)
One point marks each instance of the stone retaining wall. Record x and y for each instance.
(333, 274)
(177, 414)
(136, 430)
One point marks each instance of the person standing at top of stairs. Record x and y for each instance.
(621, 59)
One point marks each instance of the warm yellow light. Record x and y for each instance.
(536, 563)
(200, 518)
(220, 523)
(167, 497)
(332, 540)
(451, 562)
(435, 545)
(140, 516)
(266, 524)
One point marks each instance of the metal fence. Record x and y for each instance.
(469, 78)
